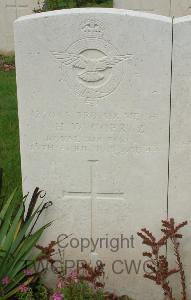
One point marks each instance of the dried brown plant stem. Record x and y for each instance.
(171, 231)
(167, 290)
(176, 245)
(158, 263)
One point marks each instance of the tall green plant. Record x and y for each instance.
(1, 180)
(17, 238)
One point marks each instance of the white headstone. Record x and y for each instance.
(180, 158)
(162, 7)
(10, 10)
(180, 8)
(94, 117)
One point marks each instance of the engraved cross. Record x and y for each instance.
(92, 194)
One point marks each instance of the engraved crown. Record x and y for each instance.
(92, 27)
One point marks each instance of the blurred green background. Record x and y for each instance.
(58, 4)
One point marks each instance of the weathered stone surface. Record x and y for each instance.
(172, 8)
(94, 117)
(161, 7)
(10, 10)
(180, 154)
(180, 8)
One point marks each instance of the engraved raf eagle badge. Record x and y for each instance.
(92, 65)
(92, 68)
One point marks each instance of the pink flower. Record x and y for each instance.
(28, 272)
(6, 280)
(57, 296)
(22, 288)
(60, 284)
(73, 276)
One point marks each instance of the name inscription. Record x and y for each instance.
(94, 132)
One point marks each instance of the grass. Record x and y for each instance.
(9, 133)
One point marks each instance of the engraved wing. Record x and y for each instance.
(92, 67)
(107, 62)
(66, 58)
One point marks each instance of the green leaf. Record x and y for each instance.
(16, 242)
(23, 232)
(13, 229)
(6, 206)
